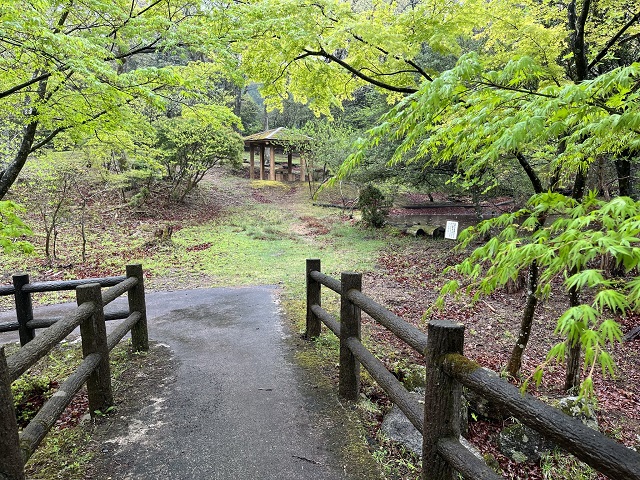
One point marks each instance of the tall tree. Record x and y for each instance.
(76, 67)
(551, 89)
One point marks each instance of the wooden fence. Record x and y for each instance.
(17, 447)
(447, 371)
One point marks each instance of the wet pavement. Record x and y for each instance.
(237, 406)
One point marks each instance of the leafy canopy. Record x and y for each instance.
(321, 52)
(77, 68)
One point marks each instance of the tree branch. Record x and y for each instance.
(93, 117)
(150, 48)
(613, 40)
(358, 73)
(26, 84)
(533, 176)
(514, 89)
(411, 63)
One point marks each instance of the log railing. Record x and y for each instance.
(17, 447)
(447, 371)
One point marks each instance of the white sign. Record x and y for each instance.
(451, 231)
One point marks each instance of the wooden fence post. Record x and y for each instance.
(11, 464)
(137, 303)
(24, 308)
(94, 340)
(349, 376)
(313, 298)
(443, 397)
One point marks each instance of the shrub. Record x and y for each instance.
(371, 203)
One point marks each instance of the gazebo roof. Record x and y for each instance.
(277, 135)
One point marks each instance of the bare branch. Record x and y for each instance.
(411, 63)
(359, 74)
(614, 39)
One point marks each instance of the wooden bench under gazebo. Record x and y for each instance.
(281, 138)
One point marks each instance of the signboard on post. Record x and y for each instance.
(451, 232)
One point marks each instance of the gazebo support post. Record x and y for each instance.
(303, 169)
(272, 164)
(289, 166)
(252, 167)
(261, 161)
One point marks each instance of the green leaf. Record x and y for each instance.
(610, 331)
(557, 352)
(613, 300)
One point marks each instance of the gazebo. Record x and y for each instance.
(278, 137)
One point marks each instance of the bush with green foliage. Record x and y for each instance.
(371, 203)
(189, 146)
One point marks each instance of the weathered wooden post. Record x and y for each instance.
(262, 161)
(94, 340)
(313, 298)
(303, 169)
(349, 376)
(443, 397)
(252, 163)
(272, 163)
(24, 308)
(137, 303)
(11, 464)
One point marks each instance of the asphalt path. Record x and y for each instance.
(238, 406)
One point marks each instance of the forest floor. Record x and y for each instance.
(233, 232)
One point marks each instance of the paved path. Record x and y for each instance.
(239, 407)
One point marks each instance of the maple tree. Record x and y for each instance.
(76, 68)
(321, 52)
(550, 90)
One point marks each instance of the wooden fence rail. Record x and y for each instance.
(447, 371)
(22, 290)
(17, 447)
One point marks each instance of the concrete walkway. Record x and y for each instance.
(237, 406)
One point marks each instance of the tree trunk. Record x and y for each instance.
(515, 362)
(10, 174)
(623, 171)
(47, 243)
(579, 185)
(55, 243)
(83, 232)
(572, 378)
